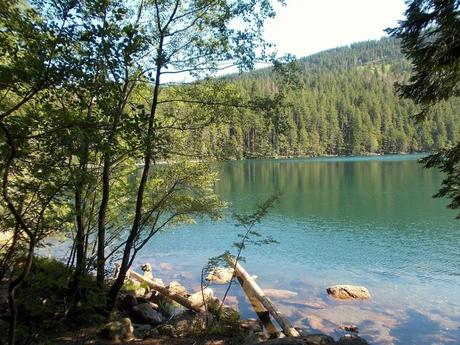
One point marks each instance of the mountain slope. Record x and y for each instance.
(345, 106)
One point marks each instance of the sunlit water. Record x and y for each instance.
(363, 221)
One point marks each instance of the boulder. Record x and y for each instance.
(186, 324)
(145, 314)
(142, 331)
(128, 302)
(220, 275)
(352, 340)
(177, 288)
(312, 339)
(280, 293)
(348, 292)
(201, 297)
(117, 330)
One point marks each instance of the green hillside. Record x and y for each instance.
(345, 105)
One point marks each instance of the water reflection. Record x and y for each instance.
(369, 222)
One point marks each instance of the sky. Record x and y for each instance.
(304, 27)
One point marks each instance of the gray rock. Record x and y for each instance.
(313, 339)
(349, 292)
(352, 340)
(186, 324)
(145, 314)
(117, 330)
(168, 331)
(142, 331)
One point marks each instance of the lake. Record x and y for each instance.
(367, 221)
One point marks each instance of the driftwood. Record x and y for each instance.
(262, 313)
(181, 299)
(250, 285)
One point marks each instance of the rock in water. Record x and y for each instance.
(349, 292)
(117, 330)
(145, 314)
(197, 299)
(220, 275)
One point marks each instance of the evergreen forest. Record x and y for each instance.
(343, 104)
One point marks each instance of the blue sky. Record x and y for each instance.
(304, 27)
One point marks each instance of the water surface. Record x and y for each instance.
(366, 221)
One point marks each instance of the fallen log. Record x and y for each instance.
(182, 300)
(248, 283)
(262, 313)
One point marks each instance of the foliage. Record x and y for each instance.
(430, 39)
(342, 103)
(447, 160)
(43, 301)
(93, 131)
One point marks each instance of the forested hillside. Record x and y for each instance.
(345, 105)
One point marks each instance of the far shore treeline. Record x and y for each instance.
(344, 104)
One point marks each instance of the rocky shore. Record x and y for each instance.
(145, 315)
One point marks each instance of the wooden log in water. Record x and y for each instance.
(262, 313)
(257, 292)
(182, 300)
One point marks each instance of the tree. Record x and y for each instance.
(430, 38)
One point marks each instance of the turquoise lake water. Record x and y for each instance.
(367, 221)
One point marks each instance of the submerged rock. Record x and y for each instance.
(117, 330)
(280, 293)
(349, 292)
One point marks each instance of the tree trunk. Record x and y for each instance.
(11, 293)
(258, 293)
(134, 233)
(100, 264)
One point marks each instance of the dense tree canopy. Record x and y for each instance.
(343, 104)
